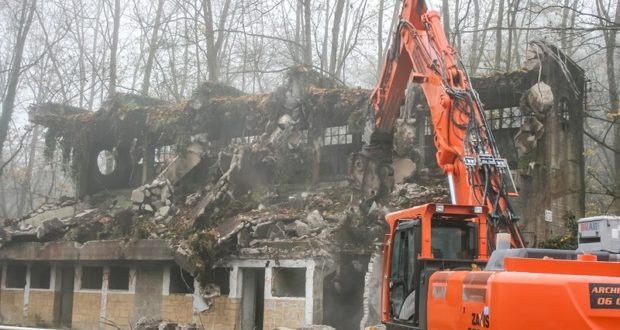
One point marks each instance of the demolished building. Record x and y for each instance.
(235, 211)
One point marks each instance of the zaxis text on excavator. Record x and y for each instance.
(450, 266)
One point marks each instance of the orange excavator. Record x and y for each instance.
(464, 265)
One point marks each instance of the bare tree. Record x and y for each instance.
(445, 12)
(114, 48)
(8, 101)
(146, 83)
(307, 58)
(498, 35)
(333, 56)
(614, 99)
(214, 41)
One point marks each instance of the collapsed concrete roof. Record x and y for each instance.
(248, 179)
(252, 199)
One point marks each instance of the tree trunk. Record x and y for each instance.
(26, 183)
(473, 55)
(445, 12)
(114, 48)
(333, 56)
(8, 102)
(512, 16)
(93, 65)
(146, 83)
(307, 33)
(210, 38)
(214, 43)
(614, 102)
(380, 38)
(498, 35)
(483, 40)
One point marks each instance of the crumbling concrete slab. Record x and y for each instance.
(140, 250)
(61, 213)
(184, 162)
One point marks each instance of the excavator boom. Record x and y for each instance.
(466, 149)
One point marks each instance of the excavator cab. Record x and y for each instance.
(424, 240)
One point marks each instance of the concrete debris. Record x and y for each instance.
(537, 101)
(535, 104)
(527, 138)
(407, 195)
(191, 199)
(375, 327)
(154, 197)
(150, 324)
(405, 145)
(315, 220)
(372, 290)
(47, 226)
(316, 327)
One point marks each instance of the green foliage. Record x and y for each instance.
(567, 241)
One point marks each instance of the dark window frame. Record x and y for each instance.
(9, 280)
(297, 291)
(337, 135)
(114, 275)
(180, 281)
(91, 271)
(40, 282)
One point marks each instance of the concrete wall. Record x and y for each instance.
(27, 306)
(283, 312)
(119, 309)
(177, 307)
(279, 311)
(223, 315)
(149, 287)
(86, 310)
(11, 305)
(148, 293)
(41, 307)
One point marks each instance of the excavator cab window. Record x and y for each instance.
(403, 270)
(451, 240)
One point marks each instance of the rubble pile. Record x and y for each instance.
(154, 198)
(150, 324)
(47, 220)
(408, 195)
(258, 195)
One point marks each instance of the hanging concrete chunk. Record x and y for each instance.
(535, 104)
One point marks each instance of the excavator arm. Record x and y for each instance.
(466, 150)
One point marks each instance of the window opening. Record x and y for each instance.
(118, 278)
(16, 276)
(288, 282)
(245, 139)
(92, 278)
(180, 281)
(164, 155)
(337, 135)
(220, 277)
(40, 275)
(504, 118)
(106, 162)
(453, 242)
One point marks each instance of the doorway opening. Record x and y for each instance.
(65, 310)
(252, 298)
